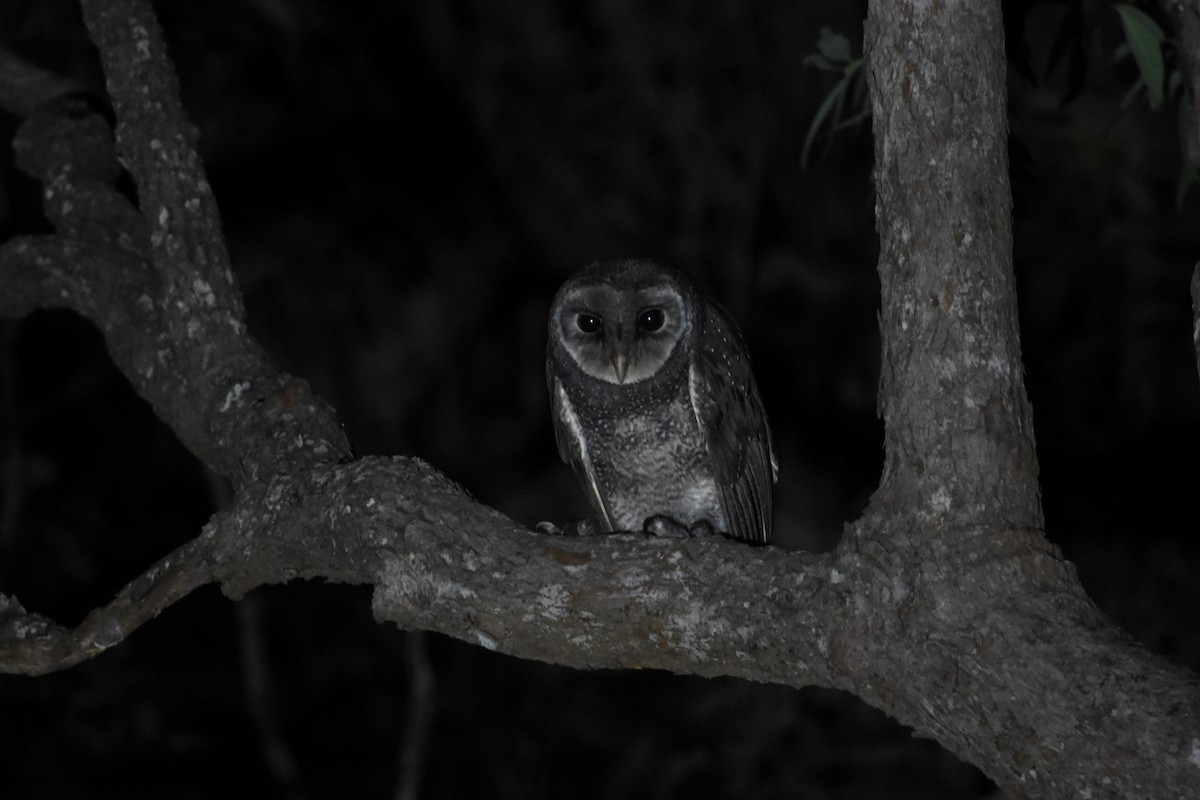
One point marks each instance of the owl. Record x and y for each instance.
(654, 404)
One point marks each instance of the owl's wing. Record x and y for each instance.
(572, 447)
(734, 427)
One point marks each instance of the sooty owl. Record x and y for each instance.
(655, 406)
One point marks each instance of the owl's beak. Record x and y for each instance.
(620, 362)
(618, 354)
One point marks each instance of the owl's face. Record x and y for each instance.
(618, 334)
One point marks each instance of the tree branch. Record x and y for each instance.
(157, 144)
(33, 645)
(189, 354)
(957, 519)
(440, 561)
(959, 431)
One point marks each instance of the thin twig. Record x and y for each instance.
(261, 698)
(33, 645)
(415, 743)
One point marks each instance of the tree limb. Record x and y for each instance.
(188, 353)
(958, 504)
(959, 431)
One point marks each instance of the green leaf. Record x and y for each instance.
(820, 62)
(824, 110)
(850, 122)
(834, 55)
(1145, 41)
(834, 46)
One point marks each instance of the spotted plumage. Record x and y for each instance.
(654, 403)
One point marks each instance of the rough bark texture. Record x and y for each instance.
(959, 428)
(1005, 625)
(944, 605)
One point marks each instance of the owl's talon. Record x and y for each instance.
(583, 527)
(664, 527)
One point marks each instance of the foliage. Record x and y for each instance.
(846, 103)
(1144, 39)
(1151, 49)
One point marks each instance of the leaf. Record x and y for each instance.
(850, 122)
(820, 62)
(834, 56)
(834, 46)
(824, 110)
(1145, 41)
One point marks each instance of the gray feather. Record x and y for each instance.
(573, 449)
(734, 428)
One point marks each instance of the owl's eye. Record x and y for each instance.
(588, 323)
(650, 319)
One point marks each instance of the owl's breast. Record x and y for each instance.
(652, 460)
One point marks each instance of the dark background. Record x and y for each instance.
(404, 185)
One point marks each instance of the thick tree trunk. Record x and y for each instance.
(944, 605)
(1013, 653)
